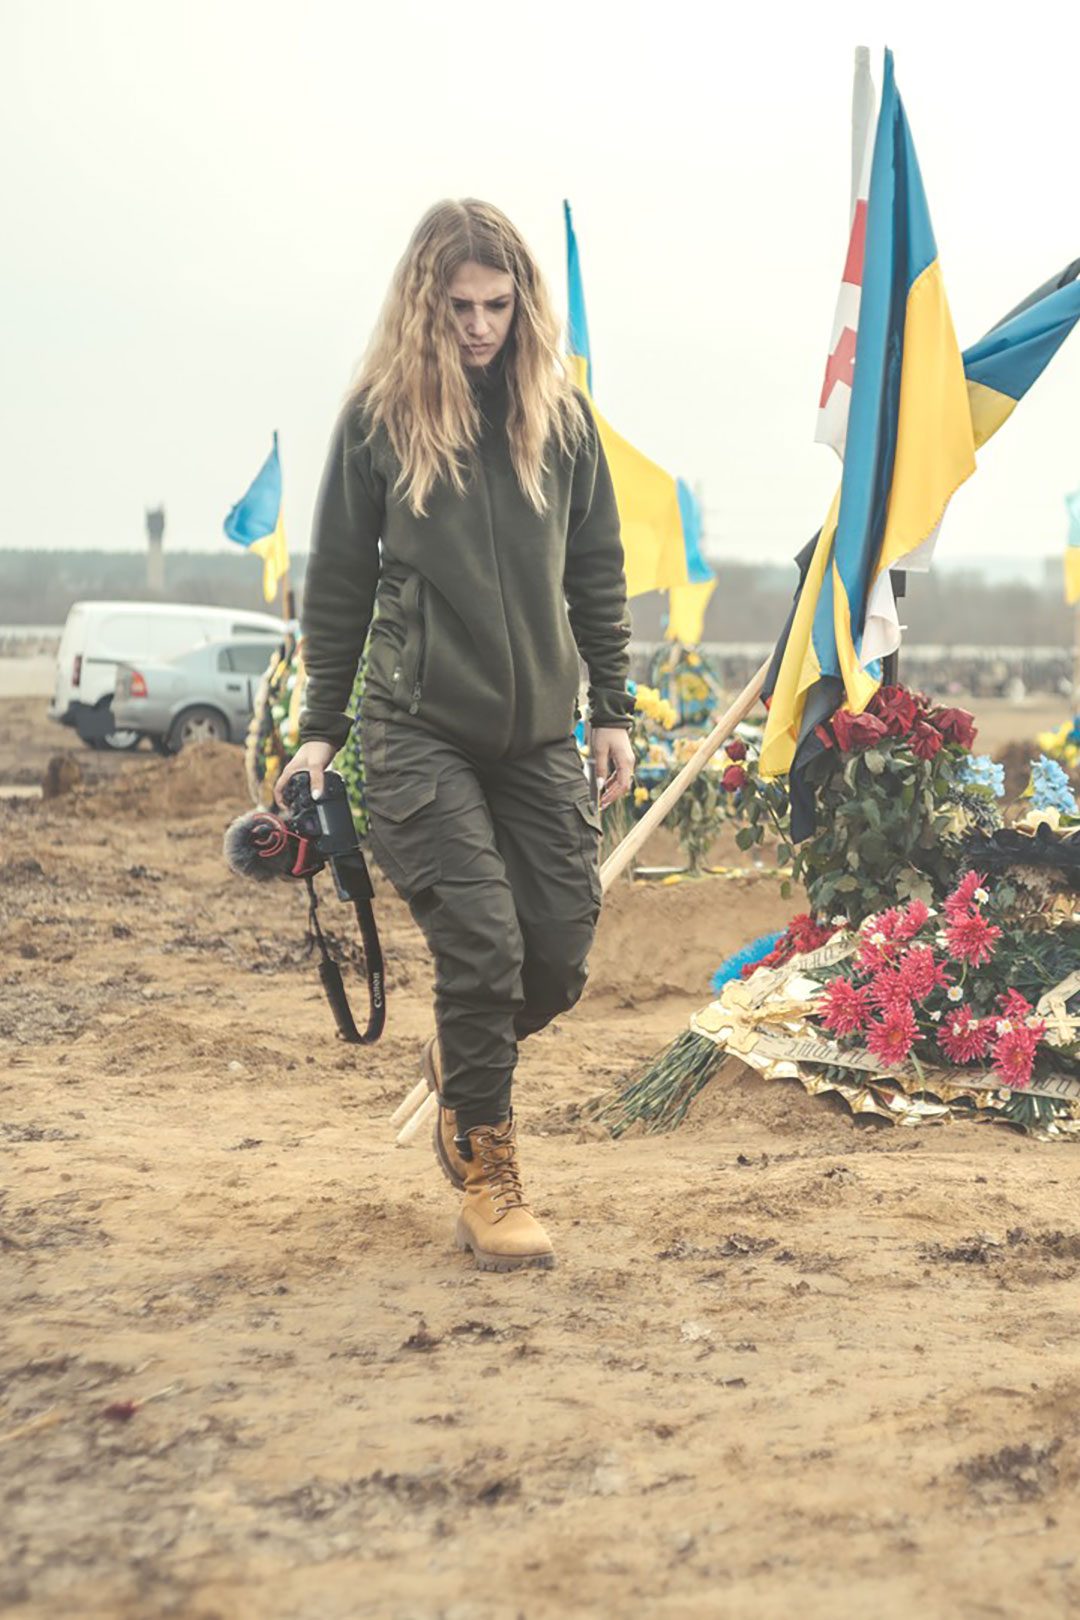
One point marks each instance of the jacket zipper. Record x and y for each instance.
(485, 493)
(421, 659)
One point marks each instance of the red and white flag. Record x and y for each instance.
(835, 402)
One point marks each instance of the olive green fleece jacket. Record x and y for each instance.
(477, 610)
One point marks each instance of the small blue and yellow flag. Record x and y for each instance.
(1072, 549)
(577, 324)
(653, 512)
(1002, 366)
(258, 523)
(686, 615)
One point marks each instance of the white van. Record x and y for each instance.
(98, 635)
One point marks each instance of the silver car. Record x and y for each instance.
(205, 695)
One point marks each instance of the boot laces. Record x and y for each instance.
(499, 1160)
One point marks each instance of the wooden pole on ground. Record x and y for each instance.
(405, 1111)
(412, 1127)
(620, 858)
(616, 863)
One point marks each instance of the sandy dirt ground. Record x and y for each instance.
(787, 1363)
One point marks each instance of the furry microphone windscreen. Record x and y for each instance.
(257, 846)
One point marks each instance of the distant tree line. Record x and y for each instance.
(751, 603)
(38, 587)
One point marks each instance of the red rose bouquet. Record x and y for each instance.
(895, 798)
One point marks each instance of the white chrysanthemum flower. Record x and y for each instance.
(935, 1017)
(981, 895)
(1004, 1026)
(955, 992)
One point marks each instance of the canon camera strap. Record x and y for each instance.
(330, 974)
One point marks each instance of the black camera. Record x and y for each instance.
(310, 835)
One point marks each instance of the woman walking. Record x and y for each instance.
(466, 518)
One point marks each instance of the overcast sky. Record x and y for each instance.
(201, 206)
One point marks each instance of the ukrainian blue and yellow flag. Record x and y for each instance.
(919, 411)
(660, 524)
(258, 523)
(1072, 549)
(579, 350)
(1002, 366)
(687, 603)
(909, 443)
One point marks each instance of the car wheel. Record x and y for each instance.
(121, 740)
(198, 725)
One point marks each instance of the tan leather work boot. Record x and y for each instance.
(443, 1132)
(495, 1221)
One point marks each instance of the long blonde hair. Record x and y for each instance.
(414, 382)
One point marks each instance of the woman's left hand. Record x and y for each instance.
(613, 756)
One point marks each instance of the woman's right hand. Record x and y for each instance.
(313, 757)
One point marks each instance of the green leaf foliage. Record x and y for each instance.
(889, 825)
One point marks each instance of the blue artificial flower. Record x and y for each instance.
(1050, 788)
(732, 968)
(979, 770)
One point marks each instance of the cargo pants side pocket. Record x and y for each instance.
(590, 829)
(404, 833)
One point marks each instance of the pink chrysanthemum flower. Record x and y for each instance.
(1015, 1006)
(963, 1038)
(1014, 1053)
(879, 948)
(970, 938)
(845, 1008)
(886, 987)
(889, 921)
(962, 895)
(892, 1039)
(919, 973)
(914, 917)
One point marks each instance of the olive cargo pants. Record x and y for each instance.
(499, 863)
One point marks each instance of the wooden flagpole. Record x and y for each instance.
(620, 858)
(288, 609)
